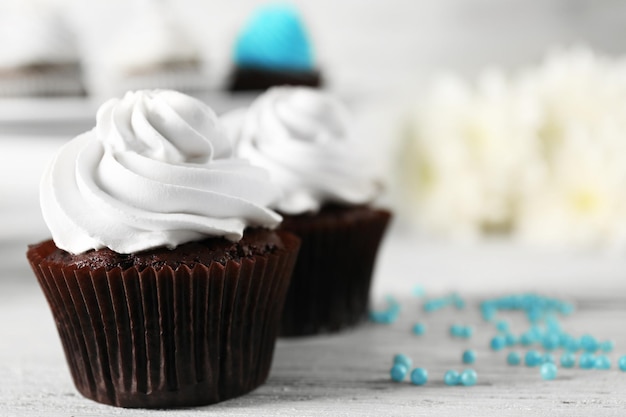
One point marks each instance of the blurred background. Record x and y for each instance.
(499, 124)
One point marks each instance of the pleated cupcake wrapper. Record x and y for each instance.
(165, 338)
(331, 281)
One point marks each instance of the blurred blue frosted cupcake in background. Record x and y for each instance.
(37, 53)
(274, 48)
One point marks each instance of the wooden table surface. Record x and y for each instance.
(345, 374)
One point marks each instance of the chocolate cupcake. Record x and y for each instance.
(164, 280)
(303, 137)
(274, 49)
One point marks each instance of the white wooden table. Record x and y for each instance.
(348, 374)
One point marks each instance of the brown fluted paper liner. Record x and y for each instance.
(331, 281)
(168, 338)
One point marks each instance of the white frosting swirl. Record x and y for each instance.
(157, 170)
(302, 136)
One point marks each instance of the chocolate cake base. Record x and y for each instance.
(330, 285)
(158, 329)
(250, 79)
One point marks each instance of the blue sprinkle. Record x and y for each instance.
(527, 339)
(548, 371)
(533, 358)
(548, 358)
(568, 360)
(451, 377)
(419, 376)
(469, 357)
(587, 360)
(602, 362)
(513, 358)
(419, 329)
(402, 359)
(510, 339)
(498, 342)
(468, 377)
(572, 345)
(551, 341)
(456, 330)
(622, 363)
(607, 346)
(388, 316)
(466, 332)
(488, 311)
(398, 372)
(434, 305)
(502, 326)
(589, 343)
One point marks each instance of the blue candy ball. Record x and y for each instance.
(419, 329)
(468, 377)
(469, 356)
(513, 358)
(548, 371)
(533, 358)
(498, 342)
(568, 360)
(398, 372)
(419, 376)
(451, 377)
(403, 359)
(587, 360)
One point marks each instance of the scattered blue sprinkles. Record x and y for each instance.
(568, 360)
(419, 376)
(451, 377)
(419, 329)
(513, 358)
(402, 359)
(398, 372)
(602, 362)
(468, 377)
(388, 316)
(498, 342)
(548, 371)
(545, 332)
(469, 357)
(533, 358)
(587, 360)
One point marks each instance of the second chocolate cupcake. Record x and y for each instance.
(303, 137)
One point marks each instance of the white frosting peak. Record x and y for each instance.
(157, 170)
(303, 137)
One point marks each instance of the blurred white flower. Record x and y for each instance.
(540, 155)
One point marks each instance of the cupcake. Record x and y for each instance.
(38, 56)
(164, 276)
(303, 137)
(273, 49)
(148, 48)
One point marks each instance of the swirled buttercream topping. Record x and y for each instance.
(302, 136)
(157, 170)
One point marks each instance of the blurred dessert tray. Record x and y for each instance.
(60, 116)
